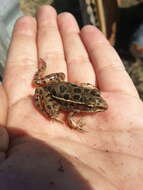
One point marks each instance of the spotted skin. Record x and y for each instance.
(53, 95)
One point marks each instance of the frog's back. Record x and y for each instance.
(71, 93)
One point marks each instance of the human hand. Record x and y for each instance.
(44, 153)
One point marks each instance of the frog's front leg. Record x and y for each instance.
(90, 86)
(73, 124)
(41, 80)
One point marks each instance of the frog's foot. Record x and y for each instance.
(78, 125)
(57, 119)
(37, 81)
(42, 68)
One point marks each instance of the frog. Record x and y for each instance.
(54, 95)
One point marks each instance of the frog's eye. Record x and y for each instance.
(37, 82)
(95, 93)
(55, 77)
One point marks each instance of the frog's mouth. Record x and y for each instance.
(102, 106)
(101, 109)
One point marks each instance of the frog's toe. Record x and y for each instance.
(57, 119)
(78, 125)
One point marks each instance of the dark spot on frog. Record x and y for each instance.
(37, 98)
(48, 87)
(83, 99)
(86, 90)
(90, 99)
(76, 97)
(66, 96)
(77, 90)
(62, 89)
(39, 91)
(49, 107)
(54, 92)
(95, 93)
(97, 102)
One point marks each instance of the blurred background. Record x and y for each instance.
(120, 20)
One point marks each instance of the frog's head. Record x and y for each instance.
(45, 80)
(98, 105)
(55, 77)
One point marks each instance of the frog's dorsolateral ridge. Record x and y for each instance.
(53, 95)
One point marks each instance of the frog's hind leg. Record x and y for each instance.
(51, 108)
(75, 124)
(38, 100)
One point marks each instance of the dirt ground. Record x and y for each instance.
(130, 16)
(128, 3)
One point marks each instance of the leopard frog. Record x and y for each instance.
(53, 95)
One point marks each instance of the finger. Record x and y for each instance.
(3, 106)
(49, 40)
(79, 66)
(4, 139)
(111, 74)
(21, 61)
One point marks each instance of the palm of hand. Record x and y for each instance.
(115, 119)
(112, 136)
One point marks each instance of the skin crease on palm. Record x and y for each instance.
(109, 156)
